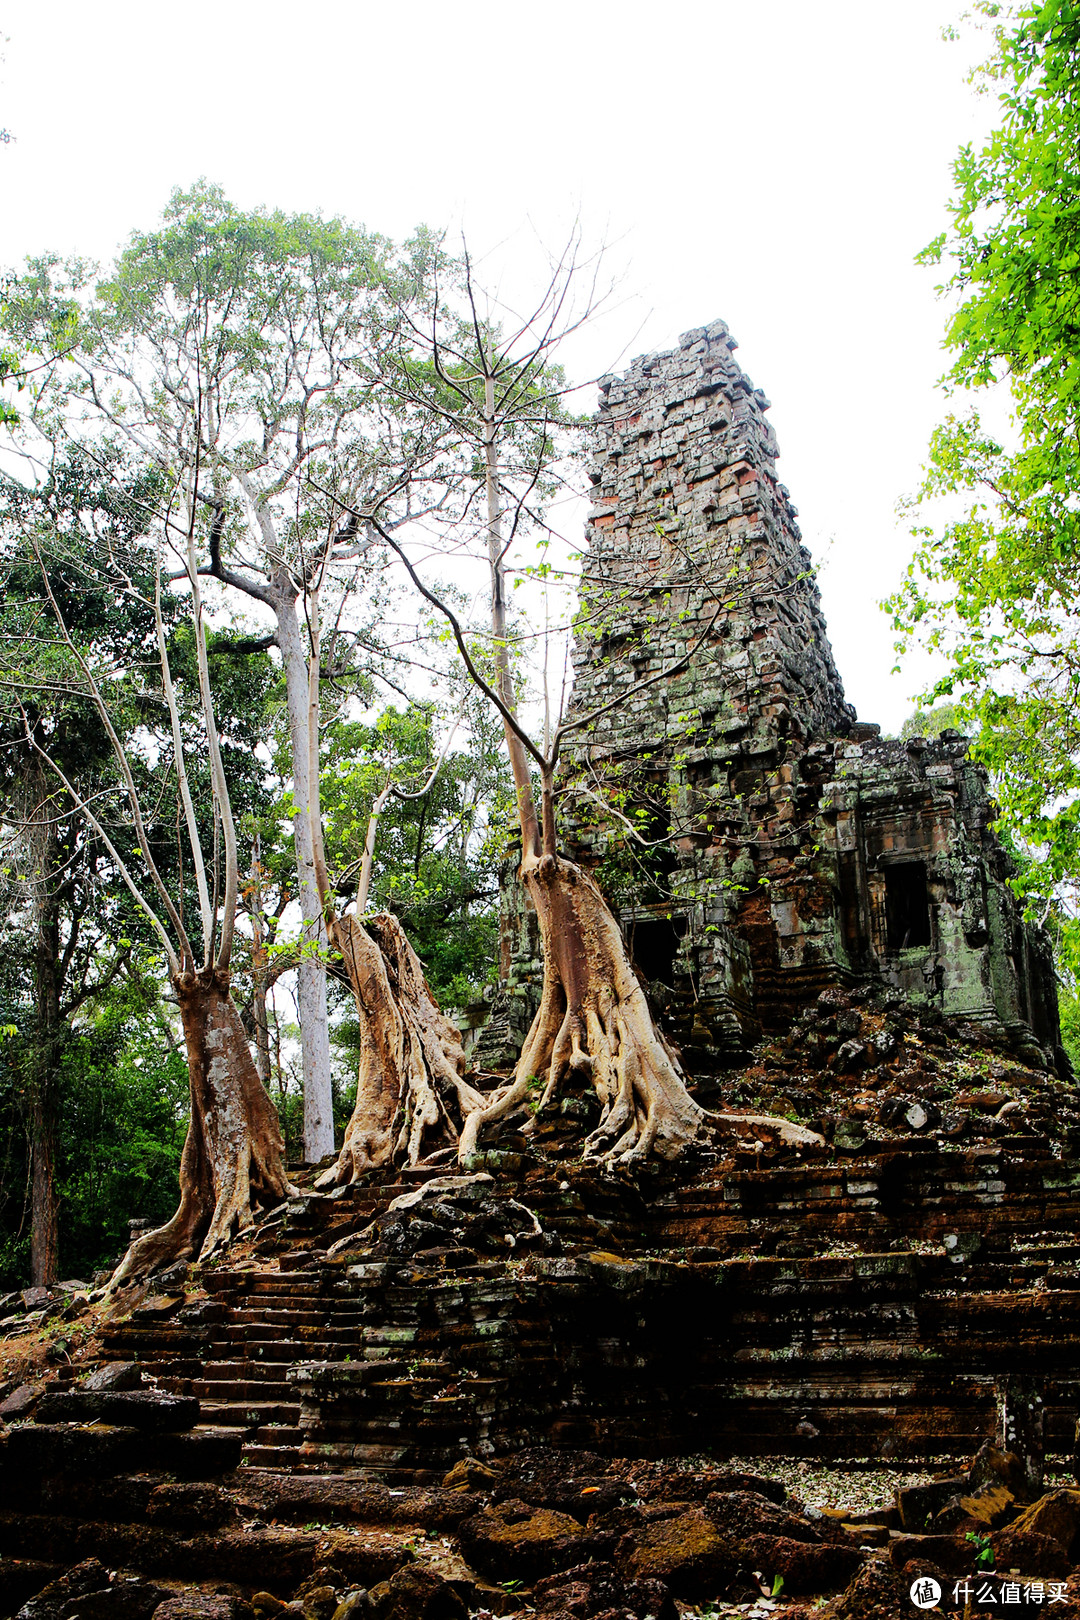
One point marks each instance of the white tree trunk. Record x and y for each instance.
(311, 973)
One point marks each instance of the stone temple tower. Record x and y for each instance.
(758, 844)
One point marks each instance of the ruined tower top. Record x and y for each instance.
(760, 847)
(691, 525)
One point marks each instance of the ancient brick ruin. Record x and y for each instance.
(784, 847)
(542, 1385)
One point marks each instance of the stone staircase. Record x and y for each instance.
(290, 1304)
(760, 1304)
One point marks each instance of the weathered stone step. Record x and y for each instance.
(234, 1389)
(278, 1434)
(250, 1414)
(271, 1456)
(148, 1409)
(277, 1557)
(239, 1368)
(129, 1340)
(318, 1349)
(238, 1320)
(262, 1282)
(34, 1450)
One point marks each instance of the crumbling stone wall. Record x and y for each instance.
(759, 844)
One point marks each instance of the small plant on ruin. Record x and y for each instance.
(984, 1552)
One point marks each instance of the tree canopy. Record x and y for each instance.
(995, 583)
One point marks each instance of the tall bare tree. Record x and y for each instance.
(232, 1157)
(252, 344)
(412, 1098)
(503, 394)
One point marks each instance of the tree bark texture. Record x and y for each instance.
(44, 1204)
(593, 1026)
(232, 1160)
(311, 971)
(259, 975)
(411, 1095)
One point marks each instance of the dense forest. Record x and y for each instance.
(203, 398)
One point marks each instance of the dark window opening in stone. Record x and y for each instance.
(848, 900)
(907, 908)
(654, 942)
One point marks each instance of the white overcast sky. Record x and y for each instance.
(774, 163)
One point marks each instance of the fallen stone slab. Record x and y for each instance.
(686, 1552)
(986, 1510)
(38, 1450)
(1034, 1553)
(280, 1558)
(516, 1541)
(158, 1308)
(147, 1409)
(326, 1497)
(418, 1592)
(127, 1597)
(918, 1503)
(277, 1558)
(344, 1500)
(114, 1375)
(952, 1554)
(121, 1498)
(598, 1588)
(1057, 1514)
(805, 1568)
(53, 1600)
(738, 1514)
(66, 1541)
(730, 1479)
(876, 1592)
(991, 1466)
(20, 1402)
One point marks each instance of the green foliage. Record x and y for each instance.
(124, 1091)
(436, 855)
(997, 589)
(10, 372)
(933, 721)
(1069, 1013)
(984, 1552)
(122, 1100)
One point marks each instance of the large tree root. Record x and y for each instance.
(232, 1160)
(411, 1097)
(593, 1025)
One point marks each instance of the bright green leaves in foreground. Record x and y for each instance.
(996, 589)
